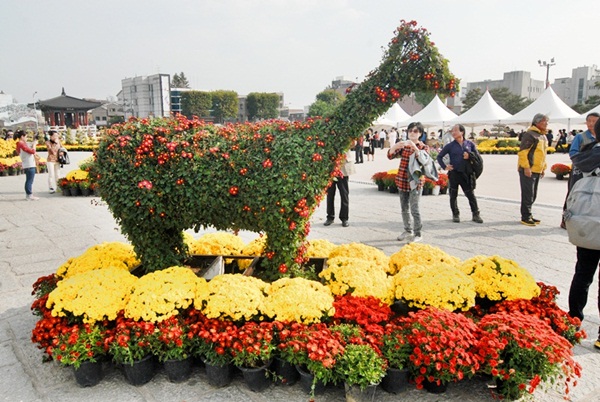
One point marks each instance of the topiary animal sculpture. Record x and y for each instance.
(162, 176)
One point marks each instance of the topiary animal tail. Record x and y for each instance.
(162, 176)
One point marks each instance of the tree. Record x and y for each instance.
(262, 105)
(508, 101)
(326, 103)
(196, 103)
(180, 81)
(225, 105)
(588, 105)
(471, 98)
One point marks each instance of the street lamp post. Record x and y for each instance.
(37, 129)
(547, 66)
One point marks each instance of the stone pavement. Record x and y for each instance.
(37, 237)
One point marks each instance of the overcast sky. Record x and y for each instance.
(292, 46)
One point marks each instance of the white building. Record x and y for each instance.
(518, 82)
(146, 96)
(579, 87)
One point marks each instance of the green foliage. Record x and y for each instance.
(180, 81)
(330, 96)
(325, 103)
(196, 103)
(508, 101)
(425, 97)
(361, 366)
(262, 106)
(471, 98)
(589, 104)
(224, 105)
(162, 176)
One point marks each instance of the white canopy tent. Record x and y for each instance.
(433, 115)
(392, 117)
(485, 111)
(596, 109)
(550, 104)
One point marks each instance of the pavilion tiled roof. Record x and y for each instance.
(67, 102)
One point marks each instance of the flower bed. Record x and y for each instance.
(93, 303)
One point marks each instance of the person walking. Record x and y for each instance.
(459, 151)
(358, 149)
(53, 146)
(532, 165)
(340, 183)
(368, 143)
(586, 161)
(410, 183)
(27, 154)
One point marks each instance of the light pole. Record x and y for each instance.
(37, 129)
(547, 66)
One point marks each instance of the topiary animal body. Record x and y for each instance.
(162, 176)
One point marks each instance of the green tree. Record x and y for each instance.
(262, 105)
(423, 98)
(325, 104)
(471, 98)
(180, 81)
(508, 101)
(589, 104)
(225, 105)
(196, 103)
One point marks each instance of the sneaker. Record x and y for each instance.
(416, 239)
(528, 222)
(477, 218)
(345, 224)
(537, 221)
(31, 198)
(456, 218)
(52, 191)
(405, 236)
(328, 222)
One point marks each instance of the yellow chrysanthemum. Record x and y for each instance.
(77, 174)
(255, 248)
(219, 243)
(233, 296)
(359, 277)
(363, 252)
(319, 248)
(498, 278)
(299, 300)
(93, 295)
(114, 254)
(161, 294)
(421, 254)
(438, 285)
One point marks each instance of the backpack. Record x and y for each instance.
(582, 216)
(63, 157)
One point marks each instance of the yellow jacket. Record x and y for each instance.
(532, 153)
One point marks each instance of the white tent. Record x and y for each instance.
(550, 104)
(485, 111)
(434, 114)
(392, 117)
(596, 109)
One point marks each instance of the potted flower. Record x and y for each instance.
(396, 350)
(82, 346)
(560, 170)
(172, 345)
(520, 351)
(378, 179)
(363, 311)
(64, 186)
(130, 346)
(252, 351)
(444, 348)
(442, 181)
(214, 340)
(428, 185)
(389, 181)
(361, 368)
(84, 187)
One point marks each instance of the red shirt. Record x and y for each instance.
(403, 178)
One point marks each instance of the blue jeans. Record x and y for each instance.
(29, 176)
(409, 202)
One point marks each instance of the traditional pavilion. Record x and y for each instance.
(66, 110)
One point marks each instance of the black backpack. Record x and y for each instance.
(63, 156)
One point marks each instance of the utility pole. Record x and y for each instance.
(547, 66)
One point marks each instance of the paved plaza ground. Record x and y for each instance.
(37, 237)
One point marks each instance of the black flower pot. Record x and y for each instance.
(256, 378)
(140, 372)
(88, 374)
(380, 187)
(286, 373)
(395, 380)
(434, 388)
(218, 376)
(306, 382)
(178, 370)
